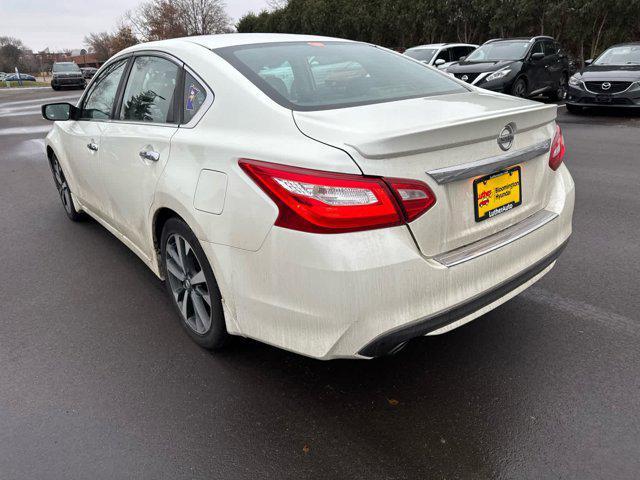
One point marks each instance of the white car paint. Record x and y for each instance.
(322, 295)
(440, 48)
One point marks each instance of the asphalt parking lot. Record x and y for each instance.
(97, 379)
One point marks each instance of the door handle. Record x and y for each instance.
(149, 155)
(92, 146)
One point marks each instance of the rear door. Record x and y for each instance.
(136, 145)
(86, 136)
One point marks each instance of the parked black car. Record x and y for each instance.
(612, 80)
(523, 67)
(67, 74)
(88, 72)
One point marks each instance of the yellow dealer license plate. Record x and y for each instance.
(497, 193)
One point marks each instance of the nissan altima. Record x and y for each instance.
(329, 197)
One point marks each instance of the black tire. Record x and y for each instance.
(575, 109)
(519, 88)
(561, 92)
(64, 191)
(55, 87)
(216, 336)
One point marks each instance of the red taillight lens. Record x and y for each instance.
(325, 202)
(415, 197)
(557, 149)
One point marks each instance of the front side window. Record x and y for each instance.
(549, 48)
(102, 94)
(325, 75)
(150, 91)
(459, 52)
(445, 54)
(194, 97)
(496, 51)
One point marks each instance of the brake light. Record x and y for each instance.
(326, 202)
(557, 149)
(415, 197)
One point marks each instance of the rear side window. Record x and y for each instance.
(194, 97)
(325, 75)
(102, 93)
(150, 92)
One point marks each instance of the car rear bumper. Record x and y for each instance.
(362, 294)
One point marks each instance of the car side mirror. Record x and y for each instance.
(537, 56)
(463, 58)
(588, 62)
(59, 112)
(439, 62)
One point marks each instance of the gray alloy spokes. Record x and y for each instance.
(188, 284)
(61, 185)
(65, 195)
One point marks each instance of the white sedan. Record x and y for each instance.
(329, 197)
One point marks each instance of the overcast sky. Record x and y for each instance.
(60, 24)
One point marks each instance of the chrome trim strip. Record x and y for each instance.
(481, 77)
(489, 165)
(584, 84)
(497, 240)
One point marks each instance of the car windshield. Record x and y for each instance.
(65, 67)
(325, 75)
(422, 54)
(512, 50)
(623, 55)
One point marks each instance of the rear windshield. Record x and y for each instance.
(321, 76)
(65, 67)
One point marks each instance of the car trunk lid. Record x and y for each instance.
(422, 138)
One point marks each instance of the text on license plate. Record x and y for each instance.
(497, 193)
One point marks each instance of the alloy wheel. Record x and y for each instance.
(61, 185)
(520, 89)
(188, 284)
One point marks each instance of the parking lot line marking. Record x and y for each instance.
(584, 310)
(25, 130)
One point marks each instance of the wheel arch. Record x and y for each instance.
(160, 213)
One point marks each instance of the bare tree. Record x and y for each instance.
(160, 19)
(277, 4)
(100, 44)
(203, 17)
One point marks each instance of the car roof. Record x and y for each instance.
(523, 39)
(234, 39)
(625, 44)
(440, 45)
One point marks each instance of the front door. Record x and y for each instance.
(136, 146)
(536, 72)
(85, 137)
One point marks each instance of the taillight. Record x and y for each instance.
(326, 202)
(415, 197)
(557, 149)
